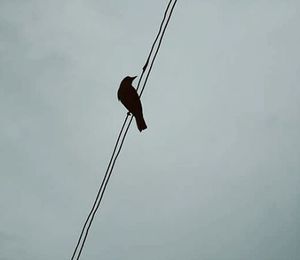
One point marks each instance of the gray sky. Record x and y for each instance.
(215, 175)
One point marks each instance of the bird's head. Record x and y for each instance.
(129, 79)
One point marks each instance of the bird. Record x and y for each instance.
(129, 97)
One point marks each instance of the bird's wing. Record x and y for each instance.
(131, 100)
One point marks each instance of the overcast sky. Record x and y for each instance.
(217, 173)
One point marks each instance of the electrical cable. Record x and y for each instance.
(113, 158)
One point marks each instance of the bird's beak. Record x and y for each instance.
(132, 78)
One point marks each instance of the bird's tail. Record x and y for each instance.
(140, 122)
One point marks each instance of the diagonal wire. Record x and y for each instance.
(159, 44)
(113, 159)
(99, 191)
(120, 133)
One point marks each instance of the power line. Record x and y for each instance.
(159, 43)
(89, 219)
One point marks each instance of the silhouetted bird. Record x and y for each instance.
(130, 99)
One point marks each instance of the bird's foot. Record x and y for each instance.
(128, 114)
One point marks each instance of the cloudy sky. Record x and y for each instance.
(217, 173)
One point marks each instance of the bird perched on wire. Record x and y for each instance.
(131, 100)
